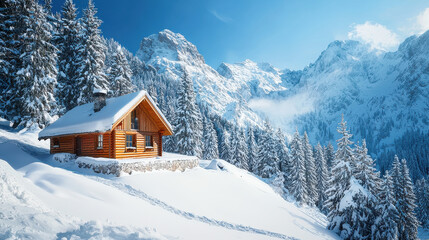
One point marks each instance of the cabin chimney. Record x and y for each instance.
(99, 99)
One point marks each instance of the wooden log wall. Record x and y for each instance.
(141, 151)
(66, 145)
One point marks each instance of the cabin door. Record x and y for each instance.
(78, 146)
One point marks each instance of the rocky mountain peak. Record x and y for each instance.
(170, 45)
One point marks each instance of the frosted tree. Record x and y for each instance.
(322, 177)
(310, 170)
(279, 183)
(408, 222)
(36, 79)
(188, 125)
(225, 151)
(169, 142)
(329, 155)
(397, 179)
(267, 157)
(252, 150)
(297, 181)
(339, 182)
(90, 74)
(210, 150)
(365, 171)
(239, 147)
(283, 155)
(9, 55)
(357, 216)
(422, 194)
(67, 42)
(120, 75)
(48, 6)
(385, 226)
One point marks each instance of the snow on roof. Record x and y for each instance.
(98, 90)
(83, 119)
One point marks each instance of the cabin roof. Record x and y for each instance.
(83, 119)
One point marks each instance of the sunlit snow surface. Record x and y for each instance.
(44, 199)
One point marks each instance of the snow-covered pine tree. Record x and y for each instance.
(225, 151)
(279, 183)
(329, 155)
(297, 180)
(283, 155)
(422, 194)
(310, 170)
(67, 43)
(365, 170)
(385, 226)
(241, 154)
(322, 177)
(339, 182)
(7, 53)
(233, 145)
(408, 222)
(36, 79)
(120, 75)
(252, 150)
(210, 150)
(397, 179)
(267, 157)
(357, 216)
(14, 24)
(188, 125)
(90, 74)
(48, 6)
(169, 143)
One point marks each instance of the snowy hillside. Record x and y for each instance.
(41, 198)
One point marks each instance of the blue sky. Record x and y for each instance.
(287, 34)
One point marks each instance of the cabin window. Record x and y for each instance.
(56, 143)
(148, 141)
(134, 120)
(131, 141)
(100, 141)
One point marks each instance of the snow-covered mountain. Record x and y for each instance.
(170, 53)
(382, 94)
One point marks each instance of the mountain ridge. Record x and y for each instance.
(382, 94)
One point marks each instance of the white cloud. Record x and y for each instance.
(282, 112)
(422, 21)
(376, 35)
(220, 17)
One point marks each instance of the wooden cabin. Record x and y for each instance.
(129, 126)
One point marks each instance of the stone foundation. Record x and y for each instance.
(117, 167)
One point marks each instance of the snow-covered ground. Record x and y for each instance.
(44, 199)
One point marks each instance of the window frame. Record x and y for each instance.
(134, 120)
(150, 141)
(55, 143)
(133, 141)
(100, 143)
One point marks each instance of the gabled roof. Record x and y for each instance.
(83, 119)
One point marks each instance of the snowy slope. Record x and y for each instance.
(196, 204)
